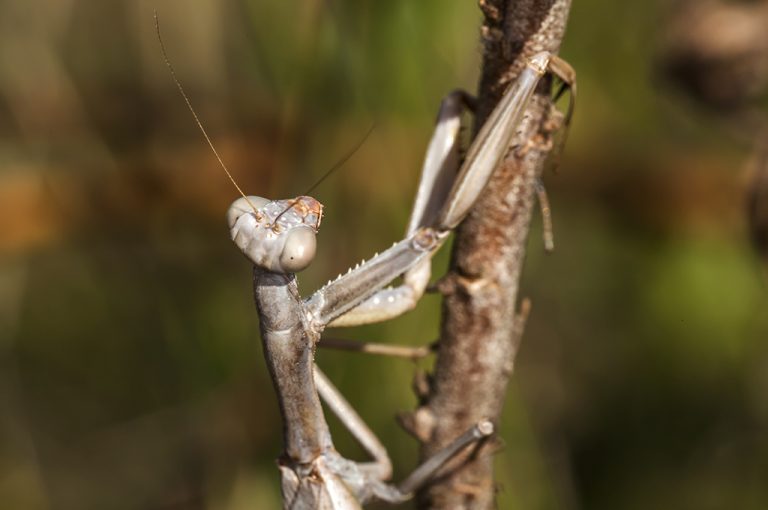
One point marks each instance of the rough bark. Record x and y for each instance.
(479, 326)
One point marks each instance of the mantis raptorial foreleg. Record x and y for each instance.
(438, 210)
(441, 164)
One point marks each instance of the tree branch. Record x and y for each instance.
(477, 345)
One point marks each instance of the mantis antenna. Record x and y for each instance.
(328, 172)
(341, 161)
(189, 105)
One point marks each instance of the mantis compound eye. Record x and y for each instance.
(299, 249)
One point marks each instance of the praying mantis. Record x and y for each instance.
(279, 238)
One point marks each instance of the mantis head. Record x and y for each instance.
(277, 235)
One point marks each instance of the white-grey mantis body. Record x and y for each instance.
(278, 237)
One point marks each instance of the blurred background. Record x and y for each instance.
(131, 374)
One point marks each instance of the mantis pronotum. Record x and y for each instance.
(278, 237)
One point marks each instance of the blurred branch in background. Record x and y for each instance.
(716, 53)
(757, 201)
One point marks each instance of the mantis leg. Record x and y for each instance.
(396, 351)
(546, 216)
(381, 467)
